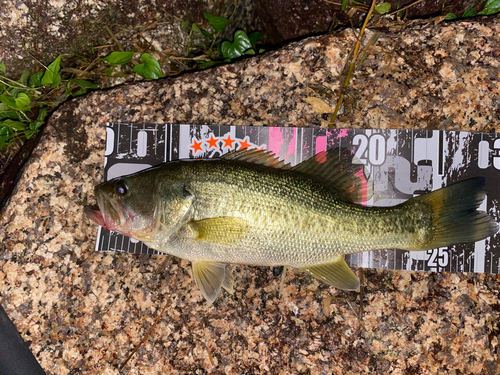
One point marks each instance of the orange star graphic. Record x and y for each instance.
(212, 142)
(244, 144)
(228, 142)
(196, 146)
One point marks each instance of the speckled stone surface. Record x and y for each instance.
(83, 312)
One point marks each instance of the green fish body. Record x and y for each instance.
(249, 208)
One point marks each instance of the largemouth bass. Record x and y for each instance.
(250, 208)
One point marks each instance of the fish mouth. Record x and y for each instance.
(109, 213)
(94, 214)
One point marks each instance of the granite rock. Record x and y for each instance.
(83, 312)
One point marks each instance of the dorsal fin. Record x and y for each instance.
(336, 168)
(261, 157)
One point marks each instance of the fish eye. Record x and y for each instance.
(122, 187)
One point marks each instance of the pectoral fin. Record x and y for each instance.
(336, 273)
(209, 277)
(220, 230)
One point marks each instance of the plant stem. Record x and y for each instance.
(353, 62)
(17, 83)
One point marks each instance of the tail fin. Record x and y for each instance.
(455, 218)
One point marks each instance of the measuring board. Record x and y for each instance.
(401, 163)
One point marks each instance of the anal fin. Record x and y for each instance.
(336, 273)
(228, 281)
(209, 277)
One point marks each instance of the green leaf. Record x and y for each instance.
(383, 8)
(207, 34)
(20, 103)
(491, 7)
(195, 28)
(185, 24)
(24, 78)
(13, 125)
(250, 52)
(469, 13)
(84, 84)
(35, 79)
(8, 101)
(51, 76)
(344, 5)
(4, 131)
(450, 16)
(238, 47)
(208, 64)
(254, 37)
(119, 58)
(3, 68)
(35, 125)
(6, 113)
(79, 93)
(218, 23)
(262, 50)
(15, 91)
(28, 134)
(150, 68)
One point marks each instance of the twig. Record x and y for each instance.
(210, 356)
(353, 61)
(154, 324)
(358, 7)
(361, 294)
(33, 56)
(114, 38)
(405, 7)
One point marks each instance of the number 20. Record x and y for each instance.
(375, 145)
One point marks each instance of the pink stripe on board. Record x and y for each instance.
(276, 140)
(292, 145)
(320, 144)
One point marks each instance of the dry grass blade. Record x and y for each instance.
(155, 322)
(366, 51)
